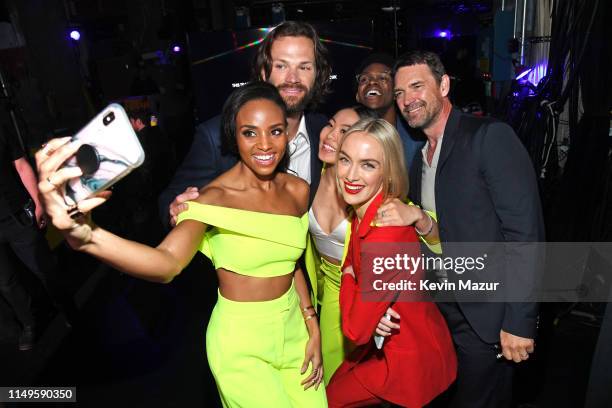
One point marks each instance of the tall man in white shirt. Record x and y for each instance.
(292, 58)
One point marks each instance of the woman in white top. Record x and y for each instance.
(328, 223)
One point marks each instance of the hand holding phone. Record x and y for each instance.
(379, 340)
(109, 151)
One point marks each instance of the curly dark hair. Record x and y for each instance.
(233, 104)
(431, 59)
(263, 58)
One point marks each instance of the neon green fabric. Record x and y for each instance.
(255, 351)
(248, 242)
(334, 346)
(326, 277)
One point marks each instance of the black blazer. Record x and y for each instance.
(486, 191)
(205, 162)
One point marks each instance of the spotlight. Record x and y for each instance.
(176, 48)
(443, 34)
(75, 35)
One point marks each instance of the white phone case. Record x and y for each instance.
(117, 151)
(380, 340)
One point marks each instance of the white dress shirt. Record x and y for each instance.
(299, 153)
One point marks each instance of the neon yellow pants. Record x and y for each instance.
(334, 346)
(255, 351)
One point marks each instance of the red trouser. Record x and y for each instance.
(346, 391)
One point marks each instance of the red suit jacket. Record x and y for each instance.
(417, 363)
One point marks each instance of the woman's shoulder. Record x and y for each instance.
(297, 187)
(212, 195)
(392, 234)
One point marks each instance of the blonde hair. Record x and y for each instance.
(395, 175)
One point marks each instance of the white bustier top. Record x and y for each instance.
(332, 245)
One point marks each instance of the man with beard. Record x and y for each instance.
(375, 91)
(477, 177)
(292, 58)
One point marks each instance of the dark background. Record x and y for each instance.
(141, 344)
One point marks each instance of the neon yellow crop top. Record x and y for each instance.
(249, 242)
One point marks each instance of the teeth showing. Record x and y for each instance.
(353, 188)
(264, 157)
(373, 92)
(414, 109)
(328, 147)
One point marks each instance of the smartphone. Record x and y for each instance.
(109, 151)
(380, 340)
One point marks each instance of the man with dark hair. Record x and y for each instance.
(375, 91)
(475, 174)
(293, 59)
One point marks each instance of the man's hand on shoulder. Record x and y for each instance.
(178, 205)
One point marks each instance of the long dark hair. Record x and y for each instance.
(233, 104)
(263, 58)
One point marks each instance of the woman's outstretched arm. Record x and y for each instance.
(159, 264)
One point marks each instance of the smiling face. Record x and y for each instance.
(261, 136)
(375, 87)
(293, 70)
(360, 170)
(332, 133)
(418, 96)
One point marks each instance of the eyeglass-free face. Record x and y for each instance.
(261, 135)
(360, 170)
(375, 87)
(332, 133)
(293, 70)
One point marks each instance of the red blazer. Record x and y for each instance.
(414, 365)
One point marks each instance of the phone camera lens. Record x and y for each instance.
(108, 118)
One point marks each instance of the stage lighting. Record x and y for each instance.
(523, 74)
(443, 33)
(75, 35)
(176, 48)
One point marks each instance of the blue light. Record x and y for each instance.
(533, 74)
(524, 73)
(176, 48)
(538, 72)
(443, 33)
(75, 35)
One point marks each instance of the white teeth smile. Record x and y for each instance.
(414, 109)
(354, 188)
(264, 157)
(373, 92)
(328, 147)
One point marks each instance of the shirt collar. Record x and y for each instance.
(426, 147)
(302, 132)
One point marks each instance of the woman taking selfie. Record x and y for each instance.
(416, 364)
(252, 223)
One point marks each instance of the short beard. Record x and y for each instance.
(300, 105)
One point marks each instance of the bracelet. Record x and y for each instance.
(431, 224)
(310, 317)
(305, 309)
